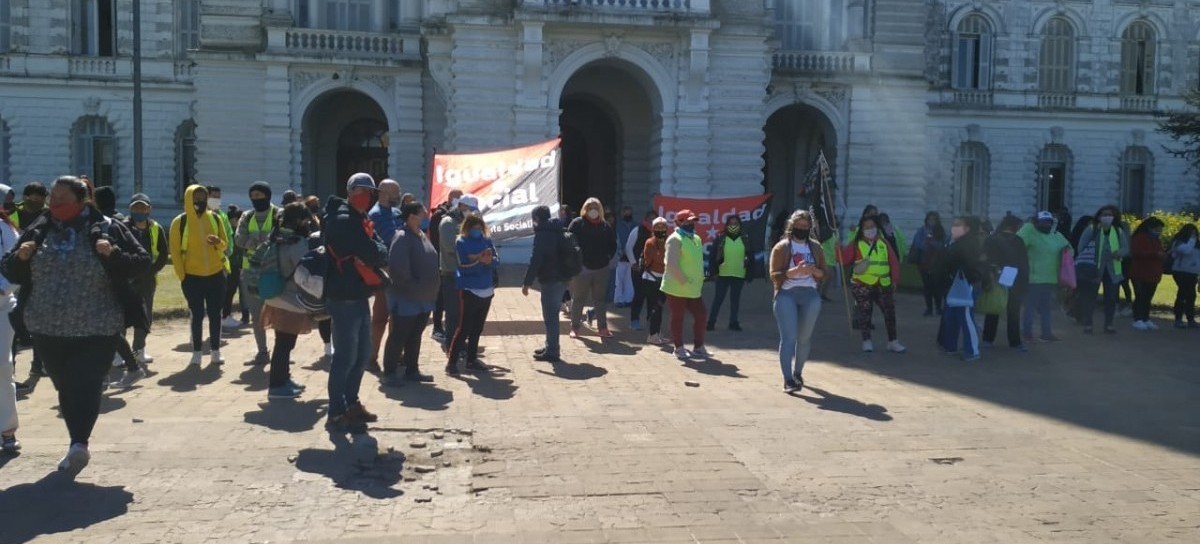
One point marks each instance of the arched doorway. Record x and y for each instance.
(795, 137)
(609, 121)
(344, 132)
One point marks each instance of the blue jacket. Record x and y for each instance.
(386, 221)
(478, 276)
(345, 232)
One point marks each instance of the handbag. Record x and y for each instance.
(1066, 271)
(993, 301)
(960, 295)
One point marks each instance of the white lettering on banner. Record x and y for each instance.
(456, 177)
(717, 217)
(510, 198)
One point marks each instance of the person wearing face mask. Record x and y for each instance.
(448, 230)
(284, 314)
(1185, 268)
(635, 245)
(1006, 249)
(598, 243)
(32, 205)
(797, 265)
(966, 256)
(152, 237)
(876, 273)
(1098, 261)
(385, 215)
(545, 267)
(1146, 269)
(356, 253)
(654, 255)
(1045, 247)
(413, 265)
(197, 243)
(476, 259)
(683, 281)
(624, 291)
(435, 220)
(73, 267)
(730, 263)
(254, 229)
(928, 241)
(106, 201)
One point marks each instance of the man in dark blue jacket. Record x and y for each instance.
(545, 266)
(350, 236)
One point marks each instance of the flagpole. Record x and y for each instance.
(831, 219)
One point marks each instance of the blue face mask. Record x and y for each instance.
(476, 233)
(689, 229)
(425, 224)
(139, 217)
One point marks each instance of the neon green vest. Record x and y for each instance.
(691, 261)
(734, 265)
(253, 227)
(878, 271)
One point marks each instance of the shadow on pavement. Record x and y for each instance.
(846, 405)
(611, 346)
(321, 364)
(714, 367)
(255, 378)
(576, 371)
(424, 396)
(191, 378)
(513, 328)
(56, 504)
(108, 403)
(287, 415)
(488, 385)
(355, 468)
(186, 347)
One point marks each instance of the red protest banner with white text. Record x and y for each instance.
(711, 213)
(509, 184)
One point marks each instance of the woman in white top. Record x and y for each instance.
(797, 267)
(8, 301)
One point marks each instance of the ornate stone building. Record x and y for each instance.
(960, 106)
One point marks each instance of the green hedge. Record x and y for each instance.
(1172, 222)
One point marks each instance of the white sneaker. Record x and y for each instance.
(231, 323)
(196, 357)
(1141, 326)
(75, 460)
(142, 357)
(868, 346)
(216, 357)
(1150, 326)
(896, 347)
(682, 354)
(654, 339)
(329, 350)
(701, 352)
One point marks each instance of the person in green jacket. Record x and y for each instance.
(683, 280)
(1046, 246)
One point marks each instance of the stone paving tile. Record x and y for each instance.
(1087, 440)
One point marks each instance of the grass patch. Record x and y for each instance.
(168, 298)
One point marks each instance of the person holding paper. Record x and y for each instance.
(1046, 246)
(1010, 261)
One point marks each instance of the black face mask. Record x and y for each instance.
(10, 206)
(261, 204)
(660, 235)
(34, 207)
(200, 206)
(627, 217)
(801, 234)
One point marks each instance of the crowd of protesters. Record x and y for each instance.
(373, 270)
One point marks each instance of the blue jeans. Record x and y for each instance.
(352, 336)
(725, 284)
(1040, 299)
(796, 312)
(956, 320)
(552, 294)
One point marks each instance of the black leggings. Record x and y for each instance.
(1143, 294)
(126, 353)
(404, 341)
(325, 329)
(281, 358)
(470, 326)
(933, 295)
(78, 367)
(204, 297)
(231, 289)
(1185, 299)
(654, 304)
(639, 296)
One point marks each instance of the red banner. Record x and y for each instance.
(711, 213)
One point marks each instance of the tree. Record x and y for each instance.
(1184, 127)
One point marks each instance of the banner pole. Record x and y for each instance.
(831, 218)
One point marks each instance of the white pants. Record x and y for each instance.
(624, 287)
(8, 390)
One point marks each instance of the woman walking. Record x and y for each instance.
(413, 266)
(1102, 246)
(653, 267)
(1146, 269)
(797, 267)
(8, 301)
(73, 267)
(1184, 271)
(476, 261)
(964, 256)
(284, 314)
(928, 243)
(598, 243)
(197, 246)
(1045, 246)
(730, 263)
(876, 273)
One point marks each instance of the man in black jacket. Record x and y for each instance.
(633, 247)
(356, 255)
(435, 219)
(546, 266)
(152, 237)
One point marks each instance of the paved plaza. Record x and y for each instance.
(1093, 439)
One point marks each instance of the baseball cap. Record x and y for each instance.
(684, 215)
(1045, 216)
(140, 198)
(360, 180)
(470, 201)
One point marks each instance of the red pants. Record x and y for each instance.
(694, 306)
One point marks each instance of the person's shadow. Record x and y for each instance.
(345, 467)
(425, 396)
(108, 404)
(714, 367)
(57, 504)
(287, 415)
(577, 371)
(488, 385)
(191, 378)
(255, 378)
(610, 346)
(845, 405)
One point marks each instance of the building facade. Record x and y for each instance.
(962, 106)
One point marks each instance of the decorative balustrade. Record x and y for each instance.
(93, 66)
(1139, 103)
(973, 97)
(821, 61)
(337, 43)
(668, 6)
(1056, 100)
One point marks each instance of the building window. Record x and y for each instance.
(94, 28)
(973, 54)
(188, 22)
(1137, 59)
(185, 157)
(4, 143)
(348, 15)
(5, 26)
(810, 25)
(95, 150)
(1054, 177)
(974, 166)
(1056, 64)
(1136, 165)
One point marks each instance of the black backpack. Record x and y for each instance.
(570, 259)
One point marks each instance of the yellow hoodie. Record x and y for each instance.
(202, 259)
